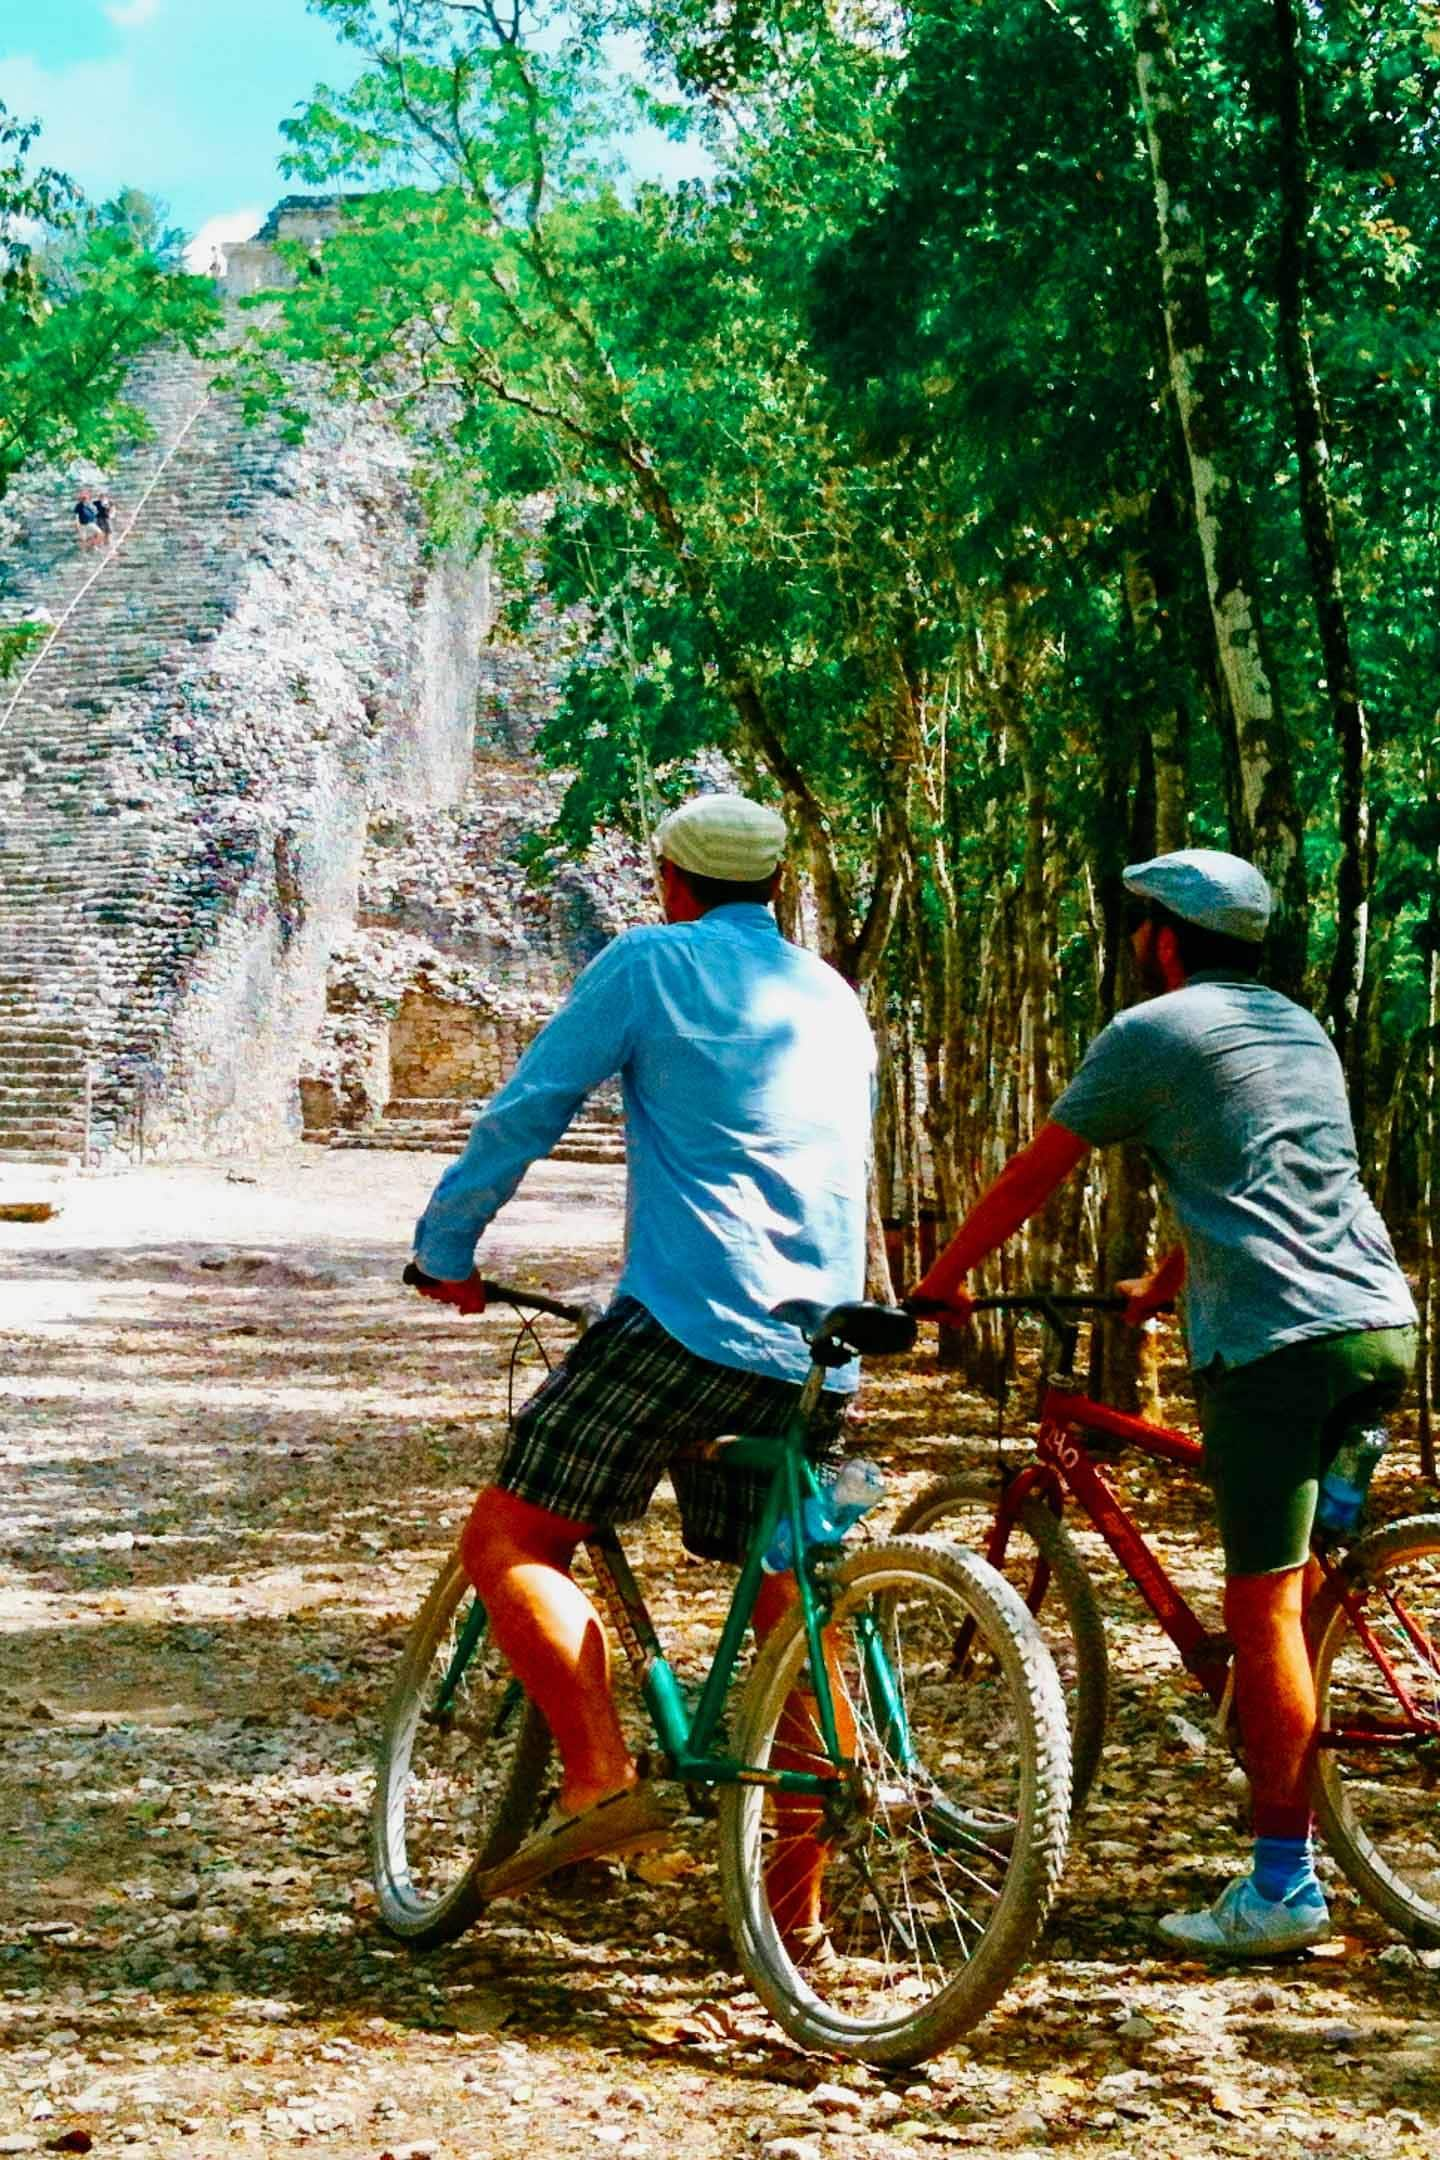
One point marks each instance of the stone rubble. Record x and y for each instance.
(460, 953)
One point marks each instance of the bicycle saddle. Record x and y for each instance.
(846, 1331)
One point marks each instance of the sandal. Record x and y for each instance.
(633, 1820)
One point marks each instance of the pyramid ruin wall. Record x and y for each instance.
(182, 834)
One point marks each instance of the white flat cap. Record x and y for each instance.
(723, 836)
(1207, 887)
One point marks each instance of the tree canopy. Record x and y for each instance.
(83, 291)
(1018, 456)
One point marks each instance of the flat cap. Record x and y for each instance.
(1207, 887)
(723, 836)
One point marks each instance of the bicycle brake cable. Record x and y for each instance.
(527, 1327)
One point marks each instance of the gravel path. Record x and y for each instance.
(235, 1453)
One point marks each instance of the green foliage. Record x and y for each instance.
(131, 216)
(17, 642)
(82, 293)
(862, 459)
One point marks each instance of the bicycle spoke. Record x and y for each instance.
(450, 1780)
(920, 1835)
(1378, 1786)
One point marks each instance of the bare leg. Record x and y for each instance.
(1275, 1696)
(518, 1556)
(795, 1875)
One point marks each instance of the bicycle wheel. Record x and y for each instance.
(1040, 1558)
(455, 1789)
(1378, 1803)
(945, 1841)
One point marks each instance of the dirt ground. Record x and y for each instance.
(235, 1453)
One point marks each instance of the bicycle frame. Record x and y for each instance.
(1063, 1464)
(687, 1734)
(1062, 1461)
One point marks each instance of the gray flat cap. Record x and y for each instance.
(1207, 887)
(723, 836)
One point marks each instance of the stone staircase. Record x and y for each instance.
(440, 1125)
(98, 872)
(263, 666)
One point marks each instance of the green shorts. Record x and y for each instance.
(1272, 1428)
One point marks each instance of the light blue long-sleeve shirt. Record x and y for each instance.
(747, 1068)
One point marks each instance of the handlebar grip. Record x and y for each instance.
(415, 1278)
(926, 1308)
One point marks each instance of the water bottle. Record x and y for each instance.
(1346, 1482)
(844, 1496)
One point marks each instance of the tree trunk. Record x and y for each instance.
(1167, 721)
(1317, 517)
(1122, 1360)
(1272, 823)
(885, 1125)
(877, 1262)
(1429, 1138)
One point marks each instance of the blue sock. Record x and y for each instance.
(1283, 1865)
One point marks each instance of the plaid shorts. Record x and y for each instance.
(595, 1437)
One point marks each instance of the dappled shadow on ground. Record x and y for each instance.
(223, 1500)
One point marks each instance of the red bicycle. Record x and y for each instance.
(1374, 1624)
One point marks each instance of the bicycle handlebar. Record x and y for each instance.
(510, 1294)
(1059, 1309)
(1044, 1301)
(1053, 1306)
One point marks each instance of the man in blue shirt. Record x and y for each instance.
(1299, 1320)
(746, 1066)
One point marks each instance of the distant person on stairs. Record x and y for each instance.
(87, 521)
(103, 508)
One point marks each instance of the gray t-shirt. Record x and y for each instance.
(1237, 1096)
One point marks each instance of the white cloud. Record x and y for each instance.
(219, 232)
(130, 14)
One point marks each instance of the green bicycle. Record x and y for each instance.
(941, 1790)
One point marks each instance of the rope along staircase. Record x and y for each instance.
(92, 929)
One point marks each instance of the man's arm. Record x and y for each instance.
(586, 1042)
(1020, 1191)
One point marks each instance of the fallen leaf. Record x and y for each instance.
(663, 1867)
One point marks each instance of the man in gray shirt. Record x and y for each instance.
(1300, 1323)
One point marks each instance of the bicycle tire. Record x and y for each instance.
(962, 1509)
(982, 1806)
(1379, 1808)
(435, 1829)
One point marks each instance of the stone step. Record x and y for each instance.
(40, 1132)
(33, 1059)
(580, 1149)
(433, 1137)
(42, 1035)
(35, 1090)
(39, 1050)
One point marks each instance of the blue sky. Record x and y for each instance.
(182, 98)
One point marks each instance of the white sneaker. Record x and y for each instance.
(1242, 1924)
